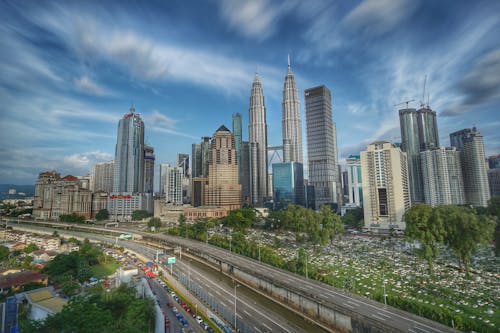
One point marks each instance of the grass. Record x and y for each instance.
(102, 270)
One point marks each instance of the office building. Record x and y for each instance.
(354, 180)
(418, 132)
(386, 195)
(494, 162)
(183, 163)
(322, 146)
(238, 139)
(290, 119)
(102, 177)
(244, 176)
(129, 154)
(199, 185)
(149, 169)
(162, 178)
(122, 205)
(173, 184)
(200, 154)
(494, 181)
(223, 189)
(442, 177)
(288, 184)
(257, 136)
(469, 142)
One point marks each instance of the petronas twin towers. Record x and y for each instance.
(257, 128)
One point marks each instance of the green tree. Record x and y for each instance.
(331, 222)
(102, 215)
(70, 287)
(354, 218)
(181, 219)
(4, 252)
(465, 230)
(30, 248)
(73, 217)
(494, 211)
(154, 222)
(428, 228)
(138, 215)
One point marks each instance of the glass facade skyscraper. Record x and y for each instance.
(149, 169)
(291, 122)
(237, 132)
(129, 154)
(288, 184)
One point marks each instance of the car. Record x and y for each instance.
(199, 320)
(170, 304)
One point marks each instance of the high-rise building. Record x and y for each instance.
(223, 188)
(386, 195)
(149, 169)
(173, 184)
(244, 176)
(238, 138)
(257, 136)
(183, 163)
(200, 154)
(494, 162)
(442, 177)
(418, 132)
(470, 144)
(162, 177)
(198, 192)
(103, 176)
(288, 184)
(494, 181)
(354, 180)
(290, 119)
(322, 146)
(129, 154)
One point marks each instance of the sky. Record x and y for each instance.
(69, 70)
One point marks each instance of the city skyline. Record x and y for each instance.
(72, 70)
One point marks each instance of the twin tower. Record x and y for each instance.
(258, 183)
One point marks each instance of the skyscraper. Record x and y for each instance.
(163, 177)
(129, 154)
(354, 181)
(288, 184)
(149, 169)
(103, 176)
(290, 121)
(470, 144)
(257, 132)
(322, 146)
(183, 163)
(442, 177)
(245, 172)
(173, 185)
(237, 132)
(418, 132)
(386, 195)
(200, 153)
(223, 189)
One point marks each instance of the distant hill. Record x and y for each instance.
(29, 190)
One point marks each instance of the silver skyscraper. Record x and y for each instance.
(290, 121)
(257, 129)
(129, 154)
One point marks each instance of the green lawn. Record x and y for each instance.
(102, 270)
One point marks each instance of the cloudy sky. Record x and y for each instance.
(69, 70)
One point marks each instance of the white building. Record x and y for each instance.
(122, 205)
(355, 181)
(103, 177)
(386, 195)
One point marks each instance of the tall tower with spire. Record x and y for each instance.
(291, 123)
(257, 132)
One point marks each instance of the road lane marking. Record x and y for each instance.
(378, 317)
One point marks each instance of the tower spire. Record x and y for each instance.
(288, 60)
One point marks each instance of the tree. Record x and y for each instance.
(102, 215)
(494, 210)
(30, 248)
(73, 217)
(154, 222)
(332, 225)
(138, 215)
(4, 252)
(354, 218)
(428, 227)
(465, 230)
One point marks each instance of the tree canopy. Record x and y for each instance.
(138, 215)
(102, 215)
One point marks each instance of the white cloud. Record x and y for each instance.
(86, 84)
(85, 161)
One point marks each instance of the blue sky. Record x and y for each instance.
(69, 70)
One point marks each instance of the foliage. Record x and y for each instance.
(4, 252)
(354, 218)
(425, 225)
(154, 222)
(138, 215)
(73, 217)
(30, 248)
(181, 219)
(240, 218)
(494, 210)
(70, 287)
(102, 215)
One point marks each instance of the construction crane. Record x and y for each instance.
(408, 101)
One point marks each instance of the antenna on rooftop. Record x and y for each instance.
(422, 101)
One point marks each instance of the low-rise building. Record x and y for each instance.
(196, 213)
(14, 281)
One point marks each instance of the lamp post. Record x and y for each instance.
(235, 300)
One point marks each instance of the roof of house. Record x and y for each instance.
(45, 299)
(21, 278)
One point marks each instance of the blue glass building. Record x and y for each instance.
(288, 184)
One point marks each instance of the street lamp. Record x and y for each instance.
(235, 300)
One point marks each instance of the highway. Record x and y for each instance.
(251, 315)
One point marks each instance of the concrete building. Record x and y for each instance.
(203, 212)
(257, 136)
(129, 154)
(102, 176)
(200, 156)
(223, 189)
(122, 205)
(173, 185)
(99, 201)
(354, 180)
(494, 162)
(291, 122)
(149, 169)
(322, 146)
(494, 181)
(418, 132)
(238, 139)
(162, 178)
(198, 190)
(55, 196)
(470, 144)
(386, 193)
(442, 177)
(288, 184)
